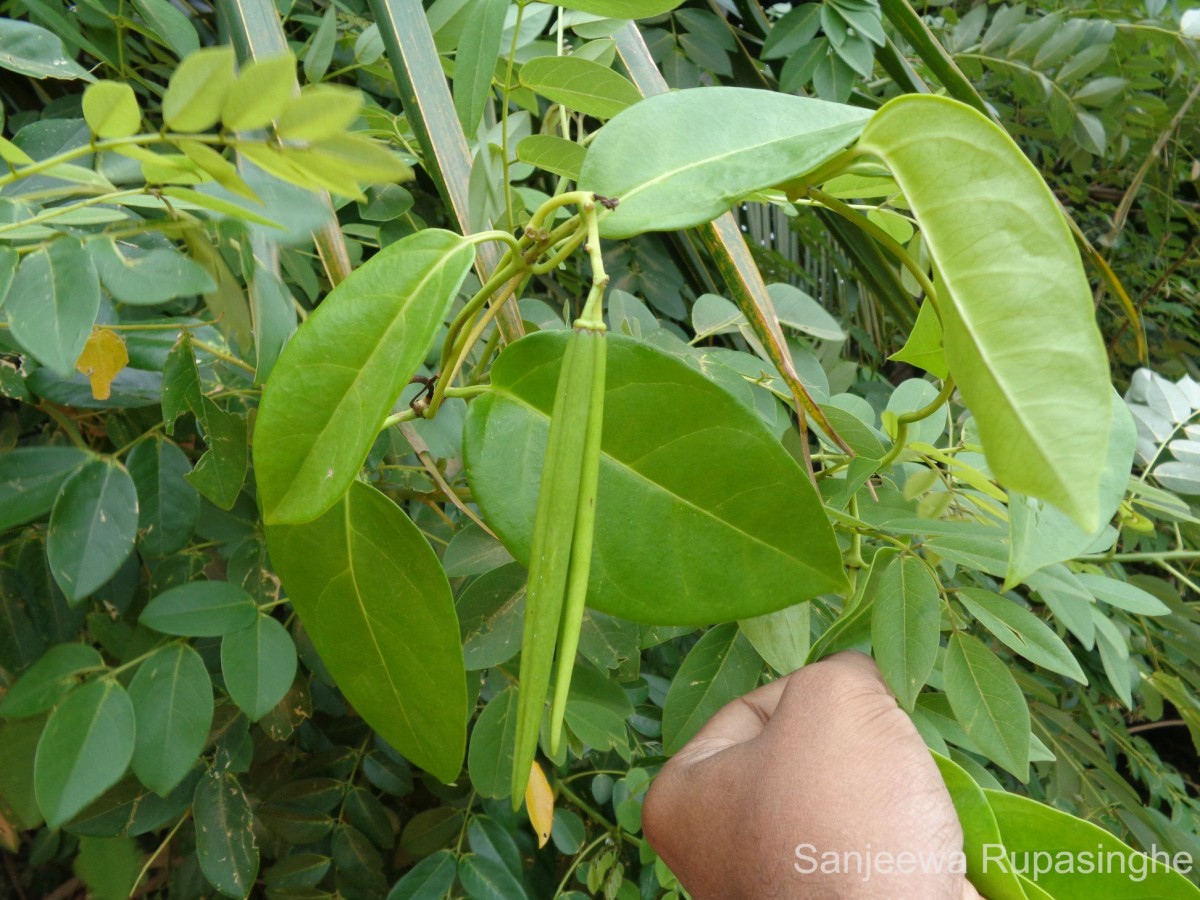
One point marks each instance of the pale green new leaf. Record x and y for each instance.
(1019, 326)
(260, 94)
(340, 374)
(111, 109)
(197, 90)
(552, 153)
(580, 84)
(670, 165)
(378, 608)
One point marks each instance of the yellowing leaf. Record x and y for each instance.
(103, 356)
(539, 803)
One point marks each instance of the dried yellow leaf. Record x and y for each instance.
(539, 803)
(103, 356)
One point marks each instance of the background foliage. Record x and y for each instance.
(168, 727)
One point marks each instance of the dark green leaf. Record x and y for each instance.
(752, 545)
(53, 303)
(378, 608)
(200, 609)
(45, 682)
(170, 26)
(173, 706)
(484, 878)
(258, 663)
(168, 505)
(92, 527)
(490, 615)
(225, 834)
(32, 50)
(472, 551)
(84, 750)
(429, 879)
(493, 740)
(720, 668)
(340, 374)
(30, 478)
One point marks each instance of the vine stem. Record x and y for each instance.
(903, 421)
(137, 140)
(56, 211)
(579, 858)
(157, 852)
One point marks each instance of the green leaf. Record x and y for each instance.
(200, 609)
(262, 90)
(485, 878)
(108, 866)
(475, 60)
(1020, 331)
(30, 478)
(781, 638)
(493, 742)
(111, 109)
(45, 682)
(623, 9)
(753, 544)
(924, 345)
(1021, 631)
(32, 50)
(905, 627)
(258, 663)
(670, 168)
(225, 834)
(472, 551)
(170, 26)
(1123, 595)
(92, 527)
(598, 709)
(1041, 535)
(490, 613)
(378, 608)
(147, 277)
(84, 750)
(341, 373)
(720, 668)
(1027, 827)
(197, 90)
(580, 84)
(168, 506)
(430, 879)
(981, 833)
(173, 706)
(221, 471)
(319, 53)
(53, 303)
(320, 111)
(988, 703)
(553, 154)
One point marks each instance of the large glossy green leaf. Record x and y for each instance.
(1019, 326)
(92, 527)
(378, 608)
(225, 834)
(1028, 827)
(341, 373)
(702, 516)
(84, 750)
(988, 703)
(580, 84)
(258, 664)
(173, 707)
(53, 302)
(720, 668)
(30, 478)
(980, 832)
(671, 167)
(905, 627)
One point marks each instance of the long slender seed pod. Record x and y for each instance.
(581, 541)
(551, 551)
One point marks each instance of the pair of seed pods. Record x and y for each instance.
(562, 544)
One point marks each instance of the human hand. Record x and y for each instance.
(808, 787)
